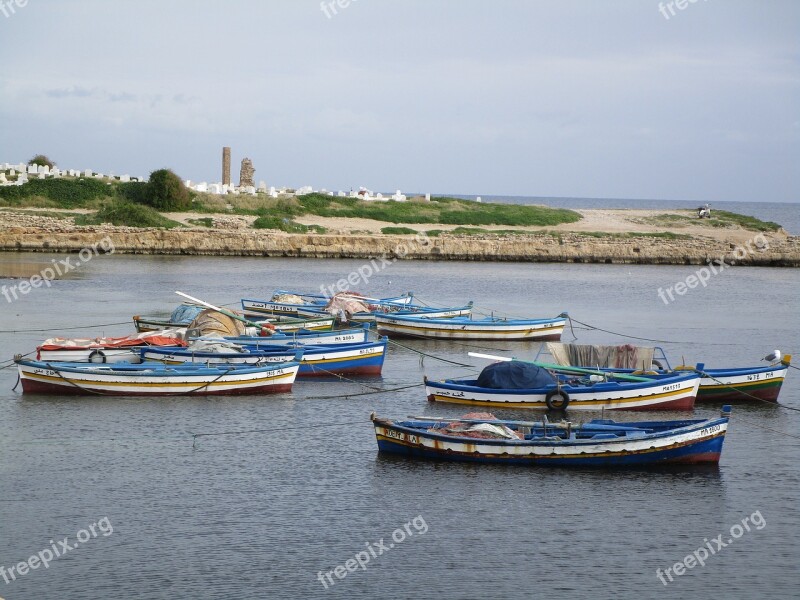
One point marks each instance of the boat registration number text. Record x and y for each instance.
(399, 435)
(671, 387)
(712, 429)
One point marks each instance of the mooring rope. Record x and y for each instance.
(64, 328)
(271, 430)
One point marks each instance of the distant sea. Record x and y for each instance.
(786, 214)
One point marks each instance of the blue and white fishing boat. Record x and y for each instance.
(153, 379)
(426, 312)
(517, 384)
(467, 328)
(305, 337)
(317, 361)
(598, 443)
(289, 303)
(738, 384)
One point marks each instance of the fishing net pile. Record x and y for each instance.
(345, 304)
(212, 323)
(283, 298)
(483, 431)
(625, 356)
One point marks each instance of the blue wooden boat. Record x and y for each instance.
(598, 443)
(466, 328)
(744, 384)
(415, 310)
(279, 306)
(153, 379)
(317, 360)
(305, 337)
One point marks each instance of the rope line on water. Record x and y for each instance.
(64, 328)
(271, 430)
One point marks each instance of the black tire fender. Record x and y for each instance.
(557, 400)
(97, 356)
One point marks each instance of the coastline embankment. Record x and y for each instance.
(766, 250)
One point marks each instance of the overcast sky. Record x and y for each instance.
(496, 97)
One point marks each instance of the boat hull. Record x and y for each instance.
(124, 380)
(356, 359)
(465, 329)
(325, 338)
(742, 385)
(675, 393)
(700, 443)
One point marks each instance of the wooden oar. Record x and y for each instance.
(227, 313)
(620, 376)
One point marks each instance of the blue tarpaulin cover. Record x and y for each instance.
(185, 313)
(514, 375)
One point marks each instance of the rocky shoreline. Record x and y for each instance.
(780, 250)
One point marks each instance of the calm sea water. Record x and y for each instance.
(259, 515)
(786, 214)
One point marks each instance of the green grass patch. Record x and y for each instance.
(398, 231)
(202, 222)
(287, 225)
(127, 214)
(57, 193)
(723, 218)
(451, 211)
(719, 218)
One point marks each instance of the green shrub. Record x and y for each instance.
(42, 161)
(165, 191)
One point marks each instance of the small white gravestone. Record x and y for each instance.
(33, 169)
(23, 178)
(379, 196)
(124, 178)
(188, 183)
(43, 169)
(201, 187)
(99, 176)
(330, 193)
(341, 194)
(56, 172)
(87, 173)
(215, 188)
(12, 171)
(249, 189)
(42, 175)
(262, 186)
(428, 197)
(225, 188)
(479, 199)
(3, 177)
(273, 193)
